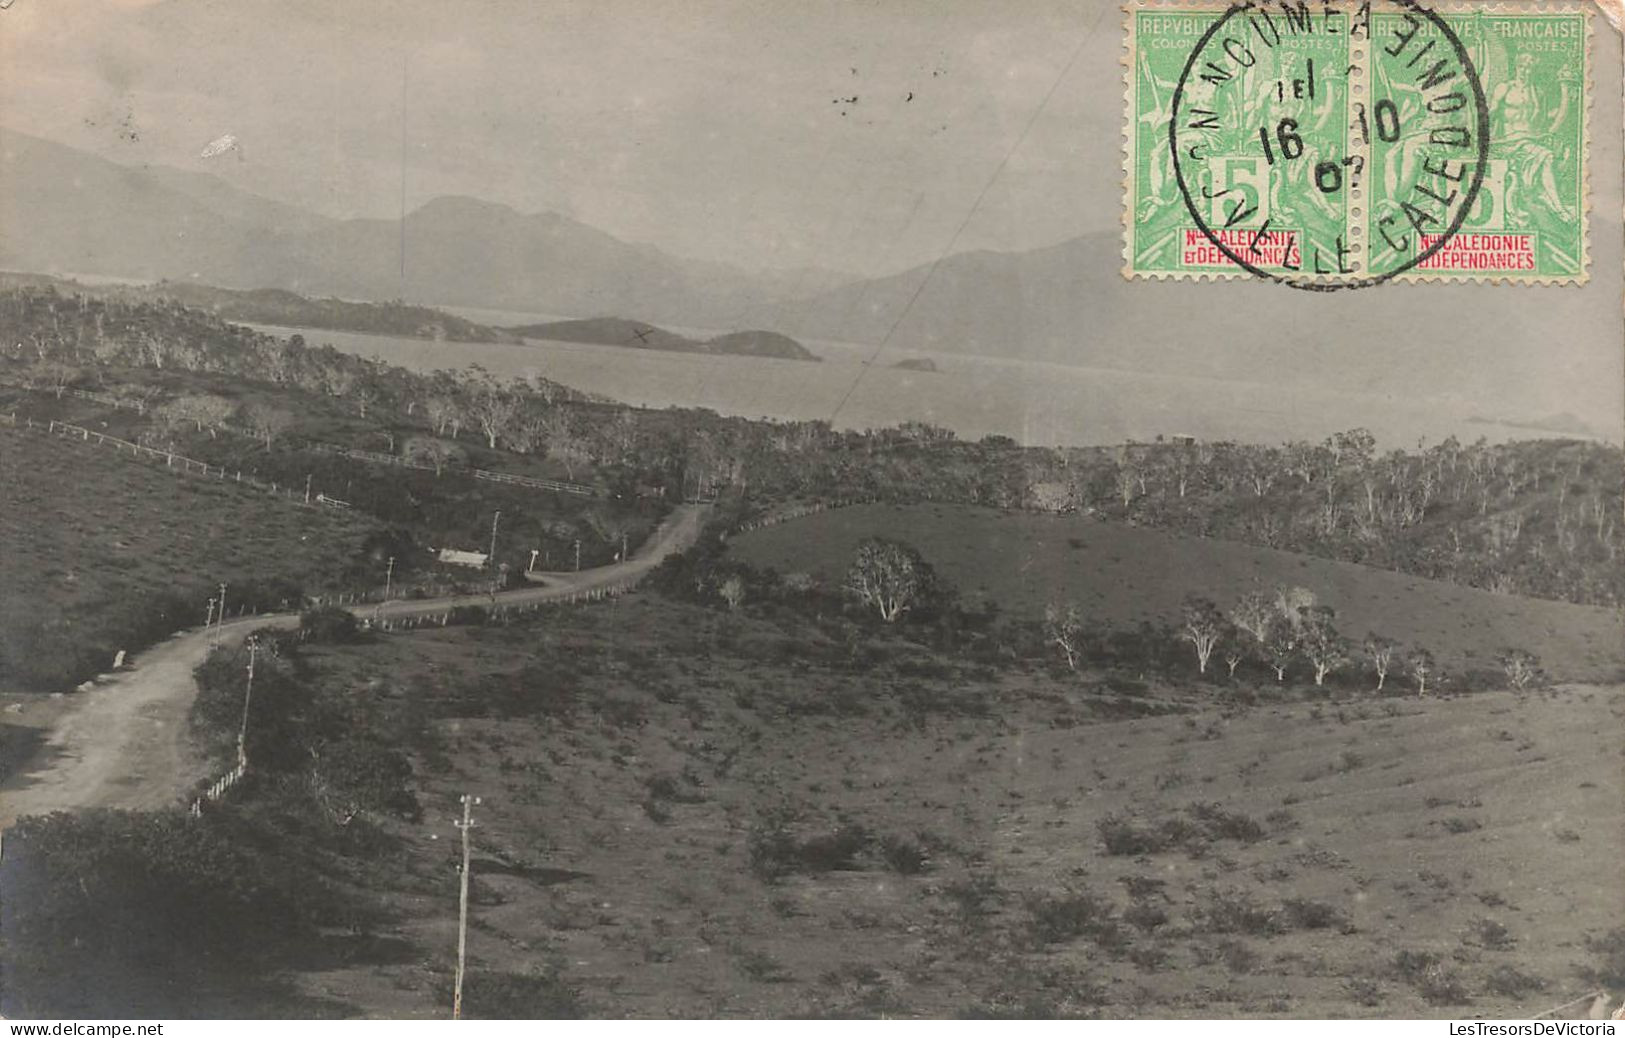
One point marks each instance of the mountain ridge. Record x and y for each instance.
(70, 212)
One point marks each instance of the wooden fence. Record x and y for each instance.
(171, 460)
(377, 457)
(785, 515)
(222, 785)
(501, 612)
(557, 486)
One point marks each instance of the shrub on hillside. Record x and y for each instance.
(278, 707)
(356, 773)
(150, 904)
(775, 851)
(1608, 952)
(1065, 916)
(329, 624)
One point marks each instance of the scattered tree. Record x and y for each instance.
(1291, 603)
(1280, 647)
(1253, 614)
(203, 410)
(527, 433)
(1049, 496)
(799, 582)
(495, 410)
(1422, 668)
(1063, 628)
(266, 422)
(441, 409)
(363, 396)
(1380, 651)
(1321, 644)
(56, 376)
(426, 450)
(337, 380)
(732, 591)
(1522, 668)
(1203, 627)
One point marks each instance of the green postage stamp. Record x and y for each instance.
(1334, 144)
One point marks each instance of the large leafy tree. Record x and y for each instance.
(889, 577)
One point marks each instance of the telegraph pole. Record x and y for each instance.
(491, 559)
(578, 555)
(389, 574)
(248, 693)
(307, 487)
(462, 909)
(208, 624)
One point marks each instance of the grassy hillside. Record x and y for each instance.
(693, 812)
(105, 553)
(1120, 575)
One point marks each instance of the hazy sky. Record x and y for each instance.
(719, 129)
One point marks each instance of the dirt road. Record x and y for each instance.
(124, 743)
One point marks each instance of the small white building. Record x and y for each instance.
(476, 559)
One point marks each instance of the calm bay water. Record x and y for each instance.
(1034, 403)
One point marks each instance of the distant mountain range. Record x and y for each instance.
(618, 331)
(1473, 348)
(65, 211)
(1483, 351)
(1564, 423)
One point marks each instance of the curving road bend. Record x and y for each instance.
(124, 745)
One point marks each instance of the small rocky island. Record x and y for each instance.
(917, 364)
(640, 335)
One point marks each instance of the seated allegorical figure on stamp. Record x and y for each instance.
(1524, 131)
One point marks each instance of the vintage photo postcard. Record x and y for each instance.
(900, 509)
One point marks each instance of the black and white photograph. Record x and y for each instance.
(821, 510)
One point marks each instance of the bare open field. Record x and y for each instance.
(686, 814)
(1121, 575)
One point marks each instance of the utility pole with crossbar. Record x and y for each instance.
(462, 909)
(248, 693)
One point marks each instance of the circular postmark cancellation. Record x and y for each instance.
(1328, 145)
